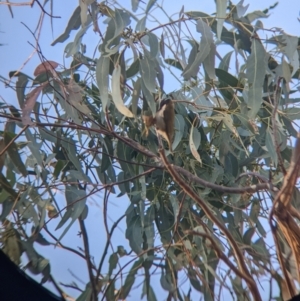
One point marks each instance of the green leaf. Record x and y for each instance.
(102, 77)
(20, 88)
(261, 229)
(209, 62)
(26, 210)
(162, 46)
(129, 281)
(74, 175)
(141, 24)
(194, 280)
(121, 251)
(116, 93)
(175, 205)
(248, 235)
(149, 97)
(225, 62)
(107, 149)
(221, 14)
(48, 135)
(149, 5)
(271, 147)
(18, 74)
(109, 292)
(71, 152)
(84, 11)
(84, 213)
(122, 186)
(134, 233)
(153, 42)
(41, 240)
(116, 26)
(227, 78)
(148, 292)
(255, 210)
(73, 47)
(192, 68)
(73, 24)
(7, 206)
(12, 247)
(179, 130)
(194, 142)
(260, 247)
(71, 111)
(135, 5)
(34, 147)
(76, 200)
(87, 293)
(289, 126)
(113, 261)
(75, 98)
(166, 282)
(58, 168)
(125, 152)
(13, 153)
(7, 189)
(136, 96)
(148, 73)
(288, 45)
(256, 68)
(133, 69)
(174, 63)
(241, 293)
(197, 56)
(149, 233)
(292, 113)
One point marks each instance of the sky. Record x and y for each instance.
(17, 48)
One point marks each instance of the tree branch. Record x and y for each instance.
(209, 213)
(88, 258)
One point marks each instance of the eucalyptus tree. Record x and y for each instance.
(200, 218)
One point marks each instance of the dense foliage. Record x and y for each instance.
(198, 217)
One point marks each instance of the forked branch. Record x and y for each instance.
(209, 213)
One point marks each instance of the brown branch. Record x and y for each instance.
(209, 213)
(285, 194)
(17, 4)
(107, 244)
(281, 260)
(284, 214)
(13, 140)
(61, 292)
(88, 258)
(59, 244)
(253, 174)
(219, 252)
(275, 128)
(143, 150)
(44, 11)
(224, 189)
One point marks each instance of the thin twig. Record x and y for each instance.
(88, 258)
(275, 128)
(209, 213)
(13, 140)
(107, 244)
(143, 150)
(44, 11)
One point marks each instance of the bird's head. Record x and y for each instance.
(164, 102)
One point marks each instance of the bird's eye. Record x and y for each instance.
(164, 101)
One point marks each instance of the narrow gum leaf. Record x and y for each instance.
(194, 142)
(116, 93)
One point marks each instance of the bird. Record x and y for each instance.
(164, 121)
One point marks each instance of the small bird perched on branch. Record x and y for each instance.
(164, 121)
